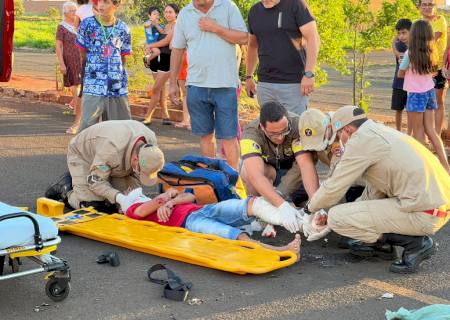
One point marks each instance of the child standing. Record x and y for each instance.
(399, 96)
(418, 68)
(105, 41)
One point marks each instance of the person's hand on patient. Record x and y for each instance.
(165, 211)
(168, 195)
(315, 226)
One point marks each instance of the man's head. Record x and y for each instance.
(107, 8)
(203, 4)
(427, 8)
(273, 120)
(268, 4)
(403, 27)
(314, 128)
(146, 161)
(346, 120)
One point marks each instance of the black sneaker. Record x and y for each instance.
(59, 190)
(365, 250)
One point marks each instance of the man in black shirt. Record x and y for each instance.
(283, 35)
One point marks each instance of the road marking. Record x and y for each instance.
(401, 291)
(333, 298)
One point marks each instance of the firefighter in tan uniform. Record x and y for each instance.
(270, 147)
(407, 194)
(105, 161)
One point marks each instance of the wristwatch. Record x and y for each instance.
(248, 77)
(308, 74)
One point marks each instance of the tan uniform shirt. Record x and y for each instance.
(255, 143)
(106, 148)
(393, 165)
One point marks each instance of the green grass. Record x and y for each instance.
(35, 34)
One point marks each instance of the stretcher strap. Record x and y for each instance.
(174, 287)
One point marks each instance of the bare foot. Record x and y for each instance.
(293, 246)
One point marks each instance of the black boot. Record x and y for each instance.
(100, 206)
(59, 190)
(417, 249)
(345, 242)
(379, 249)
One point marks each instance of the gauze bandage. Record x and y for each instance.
(266, 211)
(135, 196)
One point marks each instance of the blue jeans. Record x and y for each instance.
(222, 219)
(213, 110)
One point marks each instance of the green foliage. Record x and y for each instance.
(53, 13)
(19, 9)
(135, 11)
(332, 30)
(388, 16)
(35, 34)
(138, 78)
(371, 30)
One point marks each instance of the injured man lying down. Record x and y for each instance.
(223, 219)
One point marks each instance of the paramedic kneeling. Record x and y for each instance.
(407, 195)
(271, 151)
(105, 160)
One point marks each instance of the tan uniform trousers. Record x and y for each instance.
(79, 170)
(367, 220)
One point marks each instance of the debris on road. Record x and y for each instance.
(387, 295)
(195, 302)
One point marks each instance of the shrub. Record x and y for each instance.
(19, 9)
(53, 13)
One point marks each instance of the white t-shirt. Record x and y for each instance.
(84, 11)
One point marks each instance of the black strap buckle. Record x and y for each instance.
(174, 287)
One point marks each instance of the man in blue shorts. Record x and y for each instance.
(210, 30)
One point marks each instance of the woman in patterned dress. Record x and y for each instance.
(69, 58)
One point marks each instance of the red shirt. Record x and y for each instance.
(177, 218)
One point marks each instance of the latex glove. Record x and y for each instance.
(308, 228)
(289, 217)
(315, 227)
(319, 234)
(269, 231)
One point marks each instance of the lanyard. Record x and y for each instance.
(106, 38)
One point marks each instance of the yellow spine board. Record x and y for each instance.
(210, 251)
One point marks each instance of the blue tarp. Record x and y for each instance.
(432, 312)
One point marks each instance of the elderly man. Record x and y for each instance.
(283, 34)
(407, 194)
(105, 161)
(209, 30)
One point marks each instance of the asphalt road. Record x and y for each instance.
(326, 284)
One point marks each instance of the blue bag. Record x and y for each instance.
(211, 180)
